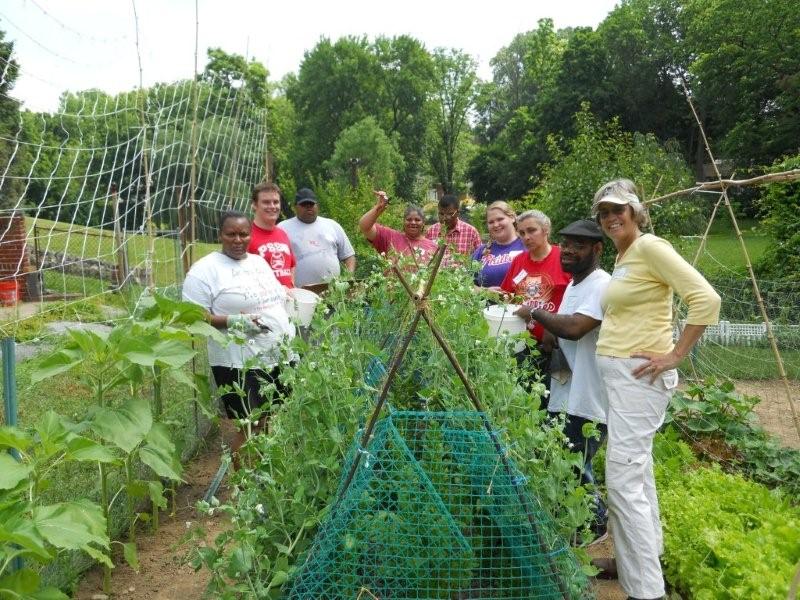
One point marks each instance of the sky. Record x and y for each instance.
(78, 44)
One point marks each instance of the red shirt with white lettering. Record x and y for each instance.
(273, 246)
(541, 282)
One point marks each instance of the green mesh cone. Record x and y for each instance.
(434, 512)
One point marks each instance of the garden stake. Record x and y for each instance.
(396, 360)
(423, 309)
(756, 290)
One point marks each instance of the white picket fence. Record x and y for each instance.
(726, 333)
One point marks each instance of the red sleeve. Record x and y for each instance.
(381, 242)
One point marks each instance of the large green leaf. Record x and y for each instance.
(125, 426)
(20, 531)
(83, 449)
(11, 471)
(156, 493)
(20, 583)
(131, 556)
(11, 437)
(89, 340)
(74, 525)
(139, 349)
(159, 453)
(49, 593)
(53, 433)
(58, 362)
(204, 329)
(173, 353)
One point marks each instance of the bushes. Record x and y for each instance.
(603, 151)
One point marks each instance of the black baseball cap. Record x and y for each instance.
(585, 228)
(305, 195)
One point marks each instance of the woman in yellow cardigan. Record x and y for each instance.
(637, 361)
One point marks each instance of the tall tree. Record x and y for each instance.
(747, 74)
(451, 102)
(407, 79)
(337, 85)
(12, 154)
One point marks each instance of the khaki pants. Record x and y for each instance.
(636, 410)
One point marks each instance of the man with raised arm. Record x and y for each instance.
(575, 387)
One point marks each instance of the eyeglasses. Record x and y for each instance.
(448, 215)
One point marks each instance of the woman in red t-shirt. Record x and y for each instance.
(537, 276)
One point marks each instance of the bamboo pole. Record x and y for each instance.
(119, 241)
(770, 335)
(193, 148)
(148, 209)
(722, 184)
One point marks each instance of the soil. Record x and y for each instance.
(774, 412)
(164, 570)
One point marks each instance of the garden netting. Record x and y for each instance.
(436, 509)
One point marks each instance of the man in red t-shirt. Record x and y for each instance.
(266, 239)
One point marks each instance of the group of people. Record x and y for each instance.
(244, 288)
(604, 342)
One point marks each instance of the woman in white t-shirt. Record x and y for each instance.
(242, 295)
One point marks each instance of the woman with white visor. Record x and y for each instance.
(637, 361)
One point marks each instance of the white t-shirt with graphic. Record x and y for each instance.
(225, 286)
(318, 248)
(583, 393)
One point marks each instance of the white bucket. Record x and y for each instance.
(300, 305)
(502, 321)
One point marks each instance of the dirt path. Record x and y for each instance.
(164, 573)
(774, 412)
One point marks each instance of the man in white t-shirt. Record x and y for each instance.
(575, 387)
(320, 245)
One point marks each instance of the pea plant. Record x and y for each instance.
(278, 502)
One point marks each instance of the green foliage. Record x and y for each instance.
(32, 529)
(716, 410)
(751, 112)
(341, 83)
(452, 98)
(603, 151)
(780, 209)
(373, 152)
(281, 499)
(160, 343)
(725, 537)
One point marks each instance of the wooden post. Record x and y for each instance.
(183, 233)
(767, 323)
(119, 241)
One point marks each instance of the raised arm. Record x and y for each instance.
(370, 218)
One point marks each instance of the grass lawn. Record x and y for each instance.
(742, 362)
(98, 244)
(722, 254)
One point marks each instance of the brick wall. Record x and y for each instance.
(14, 262)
